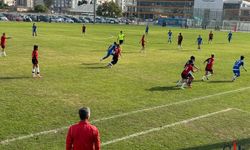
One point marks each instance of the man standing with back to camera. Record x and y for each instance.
(83, 135)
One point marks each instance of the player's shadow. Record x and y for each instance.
(163, 88)
(167, 49)
(243, 143)
(220, 81)
(97, 67)
(13, 78)
(89, 64)
(94, 66)
(221, 43)
(197, 81)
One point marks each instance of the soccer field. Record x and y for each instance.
(135, 104)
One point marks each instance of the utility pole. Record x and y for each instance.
(94, 10)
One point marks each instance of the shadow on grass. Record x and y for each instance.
(97, 67)
(164, 88)
(243, 144)
(167, 49)
(220, 81)
(197, 81)
(222, 43)
(13, 78)
(89, 64)
(94, 66)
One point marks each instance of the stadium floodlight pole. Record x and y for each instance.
(94, 10)
(138, 5)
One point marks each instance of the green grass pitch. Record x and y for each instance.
(74, 77)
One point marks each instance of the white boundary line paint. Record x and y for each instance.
(241, 110)
(165, 126)
(122, 115)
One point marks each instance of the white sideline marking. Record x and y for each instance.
(164, 127)
(241, 110)
(121, 115)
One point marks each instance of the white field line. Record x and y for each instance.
(122, 115)
(241, 110)
(164, 127)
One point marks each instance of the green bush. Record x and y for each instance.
(40, 8)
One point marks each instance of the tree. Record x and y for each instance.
(48, 3)
(2, 5)
(40, 8)
(109, 9)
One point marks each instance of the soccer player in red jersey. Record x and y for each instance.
(3, 44)
(209, 67)
(35, 68)
(189, 62)
(143, 41)
(187, 76)
(116, 55)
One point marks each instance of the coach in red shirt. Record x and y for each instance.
(83, 135)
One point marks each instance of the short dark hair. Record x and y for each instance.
(84, 113)
(190, 62)
(35, 47)
(242, 57)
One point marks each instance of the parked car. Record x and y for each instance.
(43, 18)
(68, 20)
(56, 19)
(100, 20)
(27, 19)
(91, 20)
(3, 18)
(112, 20)
(83, 20)
(76, 20)
(33, 17)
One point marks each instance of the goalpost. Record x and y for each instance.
(236, 25)
(230, 25)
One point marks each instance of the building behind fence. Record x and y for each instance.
(219, 14)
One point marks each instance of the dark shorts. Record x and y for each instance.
(3, 46)
(210, 70)
(143, 44)
(185, 76)
(210, 39)
(120, 42)
(179, 42)
(115, 60)
(236, 72)
(34, 61)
